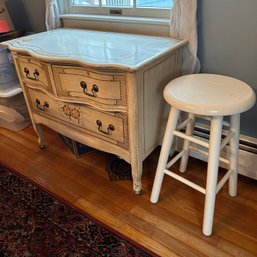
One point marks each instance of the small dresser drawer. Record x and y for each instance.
(33, 71)
(108, 125)
(86, 85)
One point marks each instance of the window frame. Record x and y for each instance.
(162, 13)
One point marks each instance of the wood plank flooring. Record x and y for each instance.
(172, 227)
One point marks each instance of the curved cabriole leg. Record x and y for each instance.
(41, 140)
(136, 169)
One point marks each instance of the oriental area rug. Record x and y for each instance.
(33, 222)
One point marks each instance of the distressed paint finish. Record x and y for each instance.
(119, 77)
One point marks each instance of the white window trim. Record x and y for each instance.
(123, 19)
(126, 24)
(126, 11)
(147, 22)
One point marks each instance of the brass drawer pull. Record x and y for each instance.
(35, 74)
(109, 129)
(94, 89)
(44, 107)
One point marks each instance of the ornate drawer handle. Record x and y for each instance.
(109, 129)
(35, 74)
(3, 10)
(94, 89)
(45, 106)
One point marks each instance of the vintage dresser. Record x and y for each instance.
(102, 89)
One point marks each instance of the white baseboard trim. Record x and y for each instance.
(247, 162)
(247, 153)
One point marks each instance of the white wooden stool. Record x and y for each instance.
(209, 95)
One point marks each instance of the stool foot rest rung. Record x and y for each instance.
(176, 158)
(184, 123)
(197, 140)
(194, 185)
(227, 139)
(224, 180)
(191, 138)
(185, 181)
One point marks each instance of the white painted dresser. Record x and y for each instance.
(102, 89)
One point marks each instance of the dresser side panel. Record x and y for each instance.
(155, 112)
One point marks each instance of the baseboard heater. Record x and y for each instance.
(247, 151)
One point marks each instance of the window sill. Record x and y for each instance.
(109, 18)
(140, 25)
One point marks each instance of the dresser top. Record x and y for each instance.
(127, 51)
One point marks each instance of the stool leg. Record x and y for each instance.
(212, 173)
(234, 153)
(189, 131)
(164, 154)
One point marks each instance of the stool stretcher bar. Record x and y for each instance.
(176, 158)
(185, 181)
(224, 180)
(227, 139)
(191, 138)
(184, 123)
(206, 153)
(188, 182)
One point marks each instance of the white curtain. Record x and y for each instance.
(183, 25)
(53, 9)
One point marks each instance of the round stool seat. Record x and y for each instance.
(209, 94)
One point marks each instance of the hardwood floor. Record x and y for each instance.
(172, 227)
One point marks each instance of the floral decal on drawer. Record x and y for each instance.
(70, 112)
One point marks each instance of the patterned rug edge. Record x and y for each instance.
(81, 212)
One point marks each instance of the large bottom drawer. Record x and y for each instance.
(107, 125)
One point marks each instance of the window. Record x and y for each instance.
(126, 3)
(137, 8)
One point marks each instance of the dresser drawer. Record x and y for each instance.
(107, 125)
(33, 71)
(86, 85)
